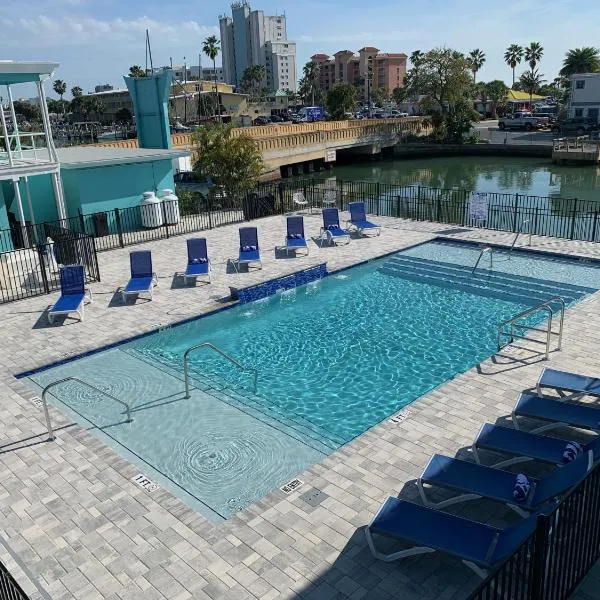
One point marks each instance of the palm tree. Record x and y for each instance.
(76, 91)
(475, 60)
(512, 57)
(496, 91)
(311, 72)
(210, 47)
(581, 60)
(136, 71)
(533, 55)
(60, 87)
(531, 82)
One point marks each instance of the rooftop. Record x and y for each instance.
(12, 71)
(79, 157)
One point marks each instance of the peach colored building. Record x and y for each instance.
(387, 70)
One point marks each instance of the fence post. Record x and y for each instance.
(438, 208)
(209, 209)
(516, 209)
(573, 219)
(594, 226)
(397, 207)
(81, 220)
(538, 568)
(42, 257)
(280, 194)
(378, 196)
(164, 215)
(119, 228)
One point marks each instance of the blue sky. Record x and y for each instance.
(95, 41)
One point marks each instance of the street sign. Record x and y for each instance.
(330, 155)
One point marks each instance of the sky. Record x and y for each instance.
(96, 41)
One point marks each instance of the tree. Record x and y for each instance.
(30, 112)
(513, 57)
(399, 94)
(124, 116)
(252, 78)
(136, 71)
(442, 75)
(475, 61)
(57, 106)
(207, 106)
(458, 122)
(340, 100)
(76, 91)
(581, 60)
(379, 96)
(533, 55)
(210, 47)
(310, 76)
(415, 58)
(497, 91)
(531, 82)
(232, 163)
(60, 87)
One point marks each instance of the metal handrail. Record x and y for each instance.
(517, 236)
(232, 360)
(483, 251)
(545, 306)
(51, 435)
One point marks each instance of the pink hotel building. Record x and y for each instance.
(346, 67)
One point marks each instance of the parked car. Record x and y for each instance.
(261, 120)
(550, 118)
(277, 119)
(520, 120)
(575, 125)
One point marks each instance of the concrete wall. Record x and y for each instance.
(430, 150)
(42, 198)
(5, 238)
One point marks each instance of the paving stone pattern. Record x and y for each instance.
(81, 529)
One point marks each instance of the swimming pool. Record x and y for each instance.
(334, 358)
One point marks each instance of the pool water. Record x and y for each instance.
(333, 358)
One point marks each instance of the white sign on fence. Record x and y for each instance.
(478, 206)
(330, 155)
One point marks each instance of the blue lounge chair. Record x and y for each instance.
(557, 412)
(294, 239)
(476, 481)
(198, 264)
(331, 230)
(72, 293)
(358, 219)
(249, 249)
(480, 547)
(143, 278)
(569, 386)
(524, 446)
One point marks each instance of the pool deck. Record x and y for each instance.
(76, 526)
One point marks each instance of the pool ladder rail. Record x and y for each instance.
(487, 249)
(508, 328)
(51, 435)
(524, 222)
(214, 348)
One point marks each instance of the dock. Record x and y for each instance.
(580, 149)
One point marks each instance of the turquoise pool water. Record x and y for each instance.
(333, 359)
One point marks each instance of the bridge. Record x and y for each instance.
(304, 147)
(580, 149)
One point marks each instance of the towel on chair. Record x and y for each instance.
(248, 248)
(522, 487)
(295, 236)
(572, 451)
(199, 260)
(333, 227)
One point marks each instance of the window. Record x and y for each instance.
(579, 111)
(580, 84)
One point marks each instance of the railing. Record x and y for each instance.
(551, 563)
(517, 236)
(51, 435)
(487, 249)
(542, 307)
(210, 346)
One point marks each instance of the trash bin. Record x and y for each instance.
(151, 211)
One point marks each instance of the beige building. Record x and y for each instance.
(380, 69)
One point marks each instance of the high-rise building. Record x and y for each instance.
(248, 38)
(378, 69)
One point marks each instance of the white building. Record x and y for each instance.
(585, 96)
(250, 38)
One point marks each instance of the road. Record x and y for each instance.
(488, 130)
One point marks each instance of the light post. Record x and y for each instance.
(369, 83)
(184, 92)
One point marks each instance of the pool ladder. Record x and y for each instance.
(508, 328)
(214, 348)
(525, 221)
(51, 435)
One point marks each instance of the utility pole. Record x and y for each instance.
(184, 92)
(369, 83)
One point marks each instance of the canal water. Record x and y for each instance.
(524, 194)
(526, 176)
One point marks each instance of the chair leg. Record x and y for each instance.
(394, 555)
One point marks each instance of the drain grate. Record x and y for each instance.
(290, 486)
(145, 483)
(313, 497)
(400, 416)
(453, 231)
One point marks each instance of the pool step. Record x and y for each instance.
(514, 288)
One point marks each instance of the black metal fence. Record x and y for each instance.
(553, 561)
(33, 271)
(569, 218)
(9, 588)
